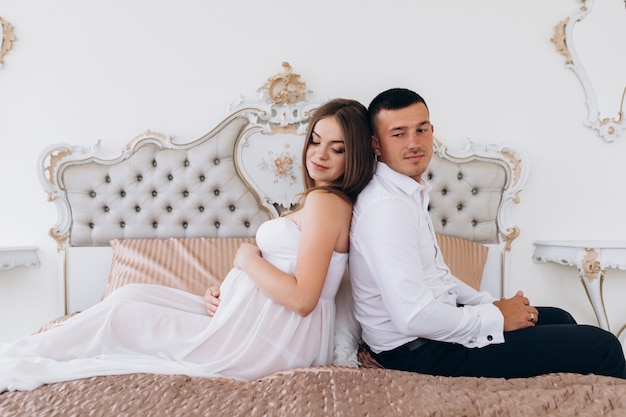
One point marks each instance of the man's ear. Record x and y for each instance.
(376, 145)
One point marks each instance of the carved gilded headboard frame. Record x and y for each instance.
(282, 112)
(609, 128)
(6, 39)
(243, 171)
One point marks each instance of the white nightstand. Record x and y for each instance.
(11, 257)
(591, 257)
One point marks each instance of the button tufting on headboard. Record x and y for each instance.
(186, 191)
(465, 201)
(225, 184)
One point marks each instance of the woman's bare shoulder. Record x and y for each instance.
(317, 199)
(328, 214)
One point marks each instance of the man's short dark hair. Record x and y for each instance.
(393, 99)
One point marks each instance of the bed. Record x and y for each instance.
(196, 201)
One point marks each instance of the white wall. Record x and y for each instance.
(83, 71)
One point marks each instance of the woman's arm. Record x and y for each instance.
(324, 223)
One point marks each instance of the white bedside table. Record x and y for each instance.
(12, 257)
(591, 257)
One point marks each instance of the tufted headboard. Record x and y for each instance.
(474, 190)
(155, 189)
(241, 173)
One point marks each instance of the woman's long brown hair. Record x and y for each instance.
(353, 118)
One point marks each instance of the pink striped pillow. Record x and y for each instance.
(466, 259)
(190, 264)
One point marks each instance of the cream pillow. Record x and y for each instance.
(347, 329)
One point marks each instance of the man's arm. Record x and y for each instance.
(516, 311)
(396, 248)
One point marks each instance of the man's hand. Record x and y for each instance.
(517, 312)
(212, 300)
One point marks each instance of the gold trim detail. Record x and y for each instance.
(516, 170)
(284, 130)
(617, 121)
(596, 313)
(149, 136)
(285, 87)
(559, 39)
(59, 237)
(591, 265)
(510, 237)
(8, 37)
(54, 158)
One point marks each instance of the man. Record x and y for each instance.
(415, 315)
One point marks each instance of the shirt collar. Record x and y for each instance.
(405, 183)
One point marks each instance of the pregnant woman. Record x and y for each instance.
(276, 306)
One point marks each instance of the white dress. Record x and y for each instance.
(156, 329)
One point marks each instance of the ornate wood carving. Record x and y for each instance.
(8, 37)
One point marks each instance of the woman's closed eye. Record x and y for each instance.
(337, 149)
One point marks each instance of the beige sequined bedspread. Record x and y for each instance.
(323, 391)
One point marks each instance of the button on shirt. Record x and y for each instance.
(401, 287)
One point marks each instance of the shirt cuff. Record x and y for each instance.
(491, 326)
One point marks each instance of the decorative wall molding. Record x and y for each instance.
(285, 87)
(609, 128)
(7, 39)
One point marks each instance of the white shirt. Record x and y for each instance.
(401, 287)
